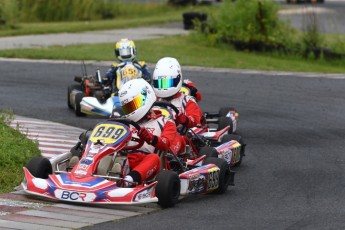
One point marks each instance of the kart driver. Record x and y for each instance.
(125, 52)
(158, 132)
(167, 82)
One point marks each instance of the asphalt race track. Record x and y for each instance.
(292, 176)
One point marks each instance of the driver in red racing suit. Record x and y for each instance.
(193, 91)
(167, 82)
(158, 132)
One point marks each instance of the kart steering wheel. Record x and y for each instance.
(166, 104)
(133, 123)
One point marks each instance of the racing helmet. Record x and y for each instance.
(125, 50)
(136, 98)
(167, 77)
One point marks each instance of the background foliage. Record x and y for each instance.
(72, 10)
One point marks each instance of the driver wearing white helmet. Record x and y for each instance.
(167, 82)
(158, 132)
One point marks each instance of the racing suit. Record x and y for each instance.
(190, 116)
(109, 78)
(193, 90)
(144, 162)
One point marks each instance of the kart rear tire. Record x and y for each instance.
(39, 167)
(224, 174)
(77, 108)
(69, 90)
(230, 137)
(224, 110)
(224, 122)
(208, 151)
(168, 188)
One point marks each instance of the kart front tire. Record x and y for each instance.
(69, 91)
(39, 167)
(168, 188)
(77, 108)
(208, 151)
(224, 174)
(223, 111)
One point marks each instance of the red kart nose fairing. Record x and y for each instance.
(87, 190)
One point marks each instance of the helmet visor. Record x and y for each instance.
(166, 82)
(125, 52)
(135, 104)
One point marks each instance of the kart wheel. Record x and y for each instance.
(224, 175)
(168, 188)
(225, 122)
(230, 137)
(77, 108)
(208, 151)
(224, 110)
(69, 90)
(39, 167)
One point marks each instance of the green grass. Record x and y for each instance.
(15, 151)
(59, 27)
(150, 16)
(189, 50)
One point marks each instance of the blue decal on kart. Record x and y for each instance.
(102, 194)
(93, 181)
(51, 187)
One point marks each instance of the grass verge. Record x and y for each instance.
(149, 15)
(15, 152)
(190, 50)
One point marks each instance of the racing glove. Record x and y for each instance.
(148, 137)
(182, 119)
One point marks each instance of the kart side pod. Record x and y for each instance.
(201, 180)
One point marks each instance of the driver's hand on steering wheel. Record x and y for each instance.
(182, 119)
(146, 136)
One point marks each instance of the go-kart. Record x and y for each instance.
(229, 147)
(207, 141)
(226, 116)
(111, 106)
(89, 86)
(98, 176)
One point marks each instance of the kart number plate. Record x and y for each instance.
(185, 90)
(213, 179)
(108, 133)
(166, 113)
